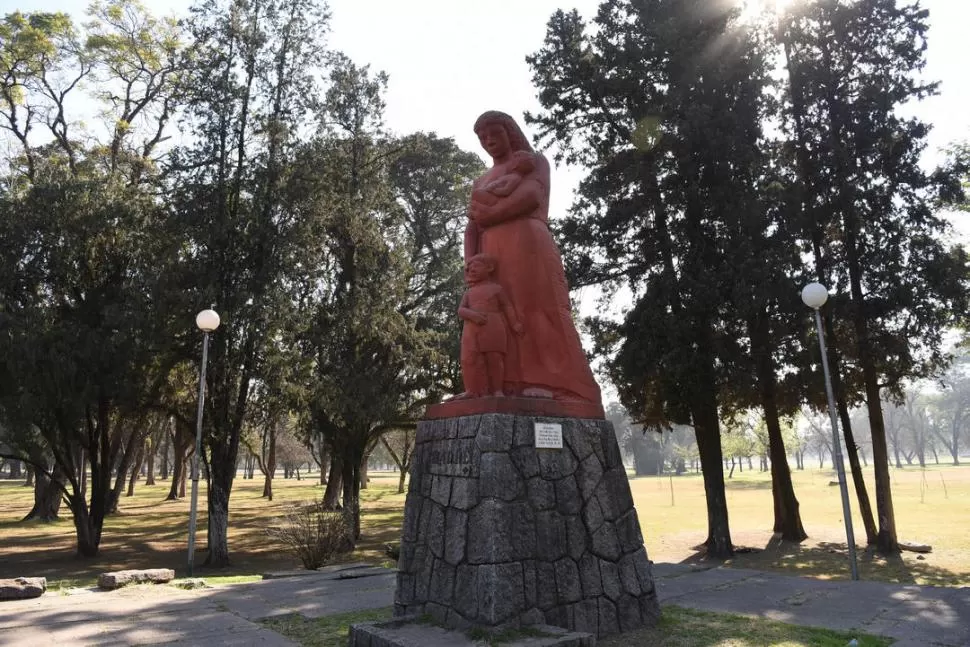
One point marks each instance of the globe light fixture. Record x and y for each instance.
(207, 320)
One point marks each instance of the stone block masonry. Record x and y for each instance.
(499, 534)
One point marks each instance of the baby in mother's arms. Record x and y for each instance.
(521, 164)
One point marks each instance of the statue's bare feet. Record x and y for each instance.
(536, 392)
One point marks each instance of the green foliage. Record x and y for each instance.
(82, 349)
(329, 631)
(869, 216)
(707, 219)
(663, 102)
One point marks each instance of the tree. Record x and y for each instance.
(249, 93)
(664, 104)
(854, 63)
(431, 180)
(365, 353)
(80, 337)
(81, 228)
(951, 409)
(399, 444)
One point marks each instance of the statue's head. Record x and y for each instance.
(500, 135)
(479, 267)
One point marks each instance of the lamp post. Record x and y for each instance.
(207, 321)
(815, 295)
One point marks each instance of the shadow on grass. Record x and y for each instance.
(830, 561)
(251, 551)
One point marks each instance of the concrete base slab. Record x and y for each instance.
(409, 631)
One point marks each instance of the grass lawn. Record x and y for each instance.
(931, 507)
(677, 628)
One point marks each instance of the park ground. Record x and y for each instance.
(932, 507)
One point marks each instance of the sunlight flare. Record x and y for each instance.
(753, 10)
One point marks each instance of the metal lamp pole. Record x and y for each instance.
(815, 295)
(207, 321)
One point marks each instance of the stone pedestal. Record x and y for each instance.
(500, 534)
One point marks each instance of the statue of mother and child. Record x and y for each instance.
(518, 338)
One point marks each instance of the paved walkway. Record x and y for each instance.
(227, 615)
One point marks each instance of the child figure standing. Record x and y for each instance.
(488, 313)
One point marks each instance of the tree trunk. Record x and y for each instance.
(150, 466)
(128, 455)
(83, 472)
(886, 541)
(220, 485)
(400, 480)
(270, 470)
(180, 448)
(16, 472)
(955, 431)
(352, 463)
(135, 470)
(331, 496)
(363, 472)
(788, 520)
(166, 445)
(47, 496)
(88, 526)
(708, 433)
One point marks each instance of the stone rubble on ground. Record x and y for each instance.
(22, 588)
(117, 579)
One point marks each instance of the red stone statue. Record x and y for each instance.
(508, 222)
(488, 314)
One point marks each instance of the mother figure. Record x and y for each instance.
(508, 219)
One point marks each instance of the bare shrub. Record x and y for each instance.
(315, 534)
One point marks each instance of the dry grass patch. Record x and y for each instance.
(150, 532)
(932, 506)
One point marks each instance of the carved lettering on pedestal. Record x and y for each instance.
(452, 458)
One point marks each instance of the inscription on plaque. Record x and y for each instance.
(548, 435)
(452, 458)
